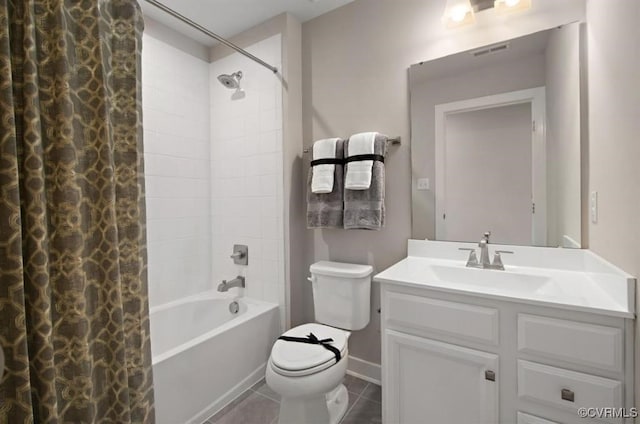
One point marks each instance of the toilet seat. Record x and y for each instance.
(293, 359)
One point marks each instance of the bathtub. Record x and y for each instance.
(204, 356)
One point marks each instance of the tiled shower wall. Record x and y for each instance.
(175, 91)
(213, 168)
(246, 166)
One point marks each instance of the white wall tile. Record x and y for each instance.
(270, 250)
(177, 171)
(268, 185)
(269, 120)
(270, 142)
(270, 228)
(172, 166)
(246, 186)
(214, 172)
(272, 293)
(177, 228)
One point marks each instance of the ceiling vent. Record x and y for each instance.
(496, 48)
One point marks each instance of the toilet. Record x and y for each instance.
(309, 376)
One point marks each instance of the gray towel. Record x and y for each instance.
(364, 209)
(326, 210)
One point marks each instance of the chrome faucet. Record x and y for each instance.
(484, 262)
(484, 250)
(236, 282)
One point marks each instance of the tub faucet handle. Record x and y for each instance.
(240, 254)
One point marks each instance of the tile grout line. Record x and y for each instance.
(354, 402)
(369, 399)
(350, 408)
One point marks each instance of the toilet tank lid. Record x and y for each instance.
(341, 269)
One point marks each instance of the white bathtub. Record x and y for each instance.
(204, 356)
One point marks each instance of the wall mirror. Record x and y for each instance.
(495, 142)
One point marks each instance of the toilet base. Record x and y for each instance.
(326, 408)
(337, 403)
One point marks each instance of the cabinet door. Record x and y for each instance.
(430, 381)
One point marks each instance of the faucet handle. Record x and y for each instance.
(497, 259)
(472, 261)
(487, 234)
(468, 249)
(510, 252)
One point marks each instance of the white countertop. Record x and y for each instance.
(561, 278)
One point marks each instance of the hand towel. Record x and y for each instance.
(325, 210)
(364, 209)
(359, 172)
(322, 179)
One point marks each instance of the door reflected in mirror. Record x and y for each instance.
(496, 132)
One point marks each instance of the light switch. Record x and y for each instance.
(423, 183)
(593, 207)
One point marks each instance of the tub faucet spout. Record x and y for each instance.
(236, 282)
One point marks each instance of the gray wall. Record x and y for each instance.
(354, 64)
(614, 125)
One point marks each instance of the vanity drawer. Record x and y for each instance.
(576, 342)
(568, 390)
(425, 315)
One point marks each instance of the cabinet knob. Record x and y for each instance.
(567, 395)
(490, 375)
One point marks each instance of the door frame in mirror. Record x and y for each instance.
(534, 96)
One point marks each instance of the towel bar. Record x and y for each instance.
(394, 141)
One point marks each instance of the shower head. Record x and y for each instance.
(231, 81)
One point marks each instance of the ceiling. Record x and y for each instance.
(230, 17)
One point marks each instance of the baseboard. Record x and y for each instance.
(230, 396)
(364, 370)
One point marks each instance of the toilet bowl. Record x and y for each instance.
(308, 367)
(308, 377)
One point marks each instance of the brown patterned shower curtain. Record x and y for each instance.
(74, 319)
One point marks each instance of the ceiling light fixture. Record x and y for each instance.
(503, 6)
(458, 13)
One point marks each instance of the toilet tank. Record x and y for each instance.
(341, 294)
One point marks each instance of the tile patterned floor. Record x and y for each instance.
(260, 405)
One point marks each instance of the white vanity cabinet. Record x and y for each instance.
(478, 349)
(427, 378)
(460, 359)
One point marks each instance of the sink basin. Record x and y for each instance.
(567, 278)
(475, 276)
(506, 282)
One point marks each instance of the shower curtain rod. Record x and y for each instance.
(210, 34)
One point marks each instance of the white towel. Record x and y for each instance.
(322, 180)
(358, 174)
